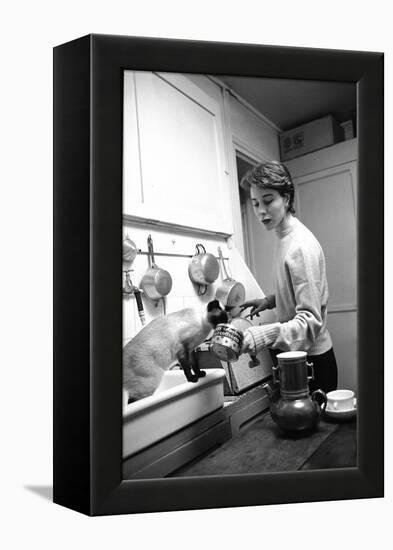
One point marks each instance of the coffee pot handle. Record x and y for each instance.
(320, 397)
(276, 378)
(310, 367)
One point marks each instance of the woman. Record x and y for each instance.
(301, 289)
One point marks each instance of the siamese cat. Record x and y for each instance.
(164, 340)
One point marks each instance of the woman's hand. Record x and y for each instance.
(256, 306)
(248, 345)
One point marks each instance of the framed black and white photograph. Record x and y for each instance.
(218, 253)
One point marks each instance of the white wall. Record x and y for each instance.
(30, 30)
(257, 140)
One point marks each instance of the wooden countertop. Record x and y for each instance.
(339, 450)
(261, 447)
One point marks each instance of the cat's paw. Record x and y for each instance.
(201, 373)
(193, 378)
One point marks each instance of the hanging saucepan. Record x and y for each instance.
(130, 250)
(156, 282)
(230, 293)
(203, 269)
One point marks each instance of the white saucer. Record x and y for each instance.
(341, 414)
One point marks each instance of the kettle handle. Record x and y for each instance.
(320, 397)
(310, 366)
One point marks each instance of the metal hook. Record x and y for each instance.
(128, 286)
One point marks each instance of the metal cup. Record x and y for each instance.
(227, 342)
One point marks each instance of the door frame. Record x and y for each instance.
(246, 153)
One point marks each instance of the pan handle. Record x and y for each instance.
(151, 251)
(139, 303)
(202, 290)
(222, 262)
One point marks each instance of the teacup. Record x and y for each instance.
(340, 400)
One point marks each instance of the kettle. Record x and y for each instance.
(294, 410)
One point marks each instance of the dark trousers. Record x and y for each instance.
(325, 370)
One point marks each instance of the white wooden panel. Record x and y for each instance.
(326, 205)
(132, 185)
(181, 154)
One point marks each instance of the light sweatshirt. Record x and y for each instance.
(301, 292)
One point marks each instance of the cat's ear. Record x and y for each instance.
(217, 316)
(214, 304)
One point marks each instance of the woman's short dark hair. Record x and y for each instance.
(271, 175)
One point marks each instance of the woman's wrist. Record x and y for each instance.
(249, 345)
(263, 335)
(270, 301)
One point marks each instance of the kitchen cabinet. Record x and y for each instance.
(175, 167)
(188, 444)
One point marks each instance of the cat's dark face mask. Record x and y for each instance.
(216, 314)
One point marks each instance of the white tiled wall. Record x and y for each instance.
(184, 293)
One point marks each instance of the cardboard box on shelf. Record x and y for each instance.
(309, 137)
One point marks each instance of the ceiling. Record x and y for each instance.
(288, 102)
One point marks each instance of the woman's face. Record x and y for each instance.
(269, 206)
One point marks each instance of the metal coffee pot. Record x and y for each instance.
(292, 408)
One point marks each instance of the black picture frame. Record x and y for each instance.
(88, 120)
